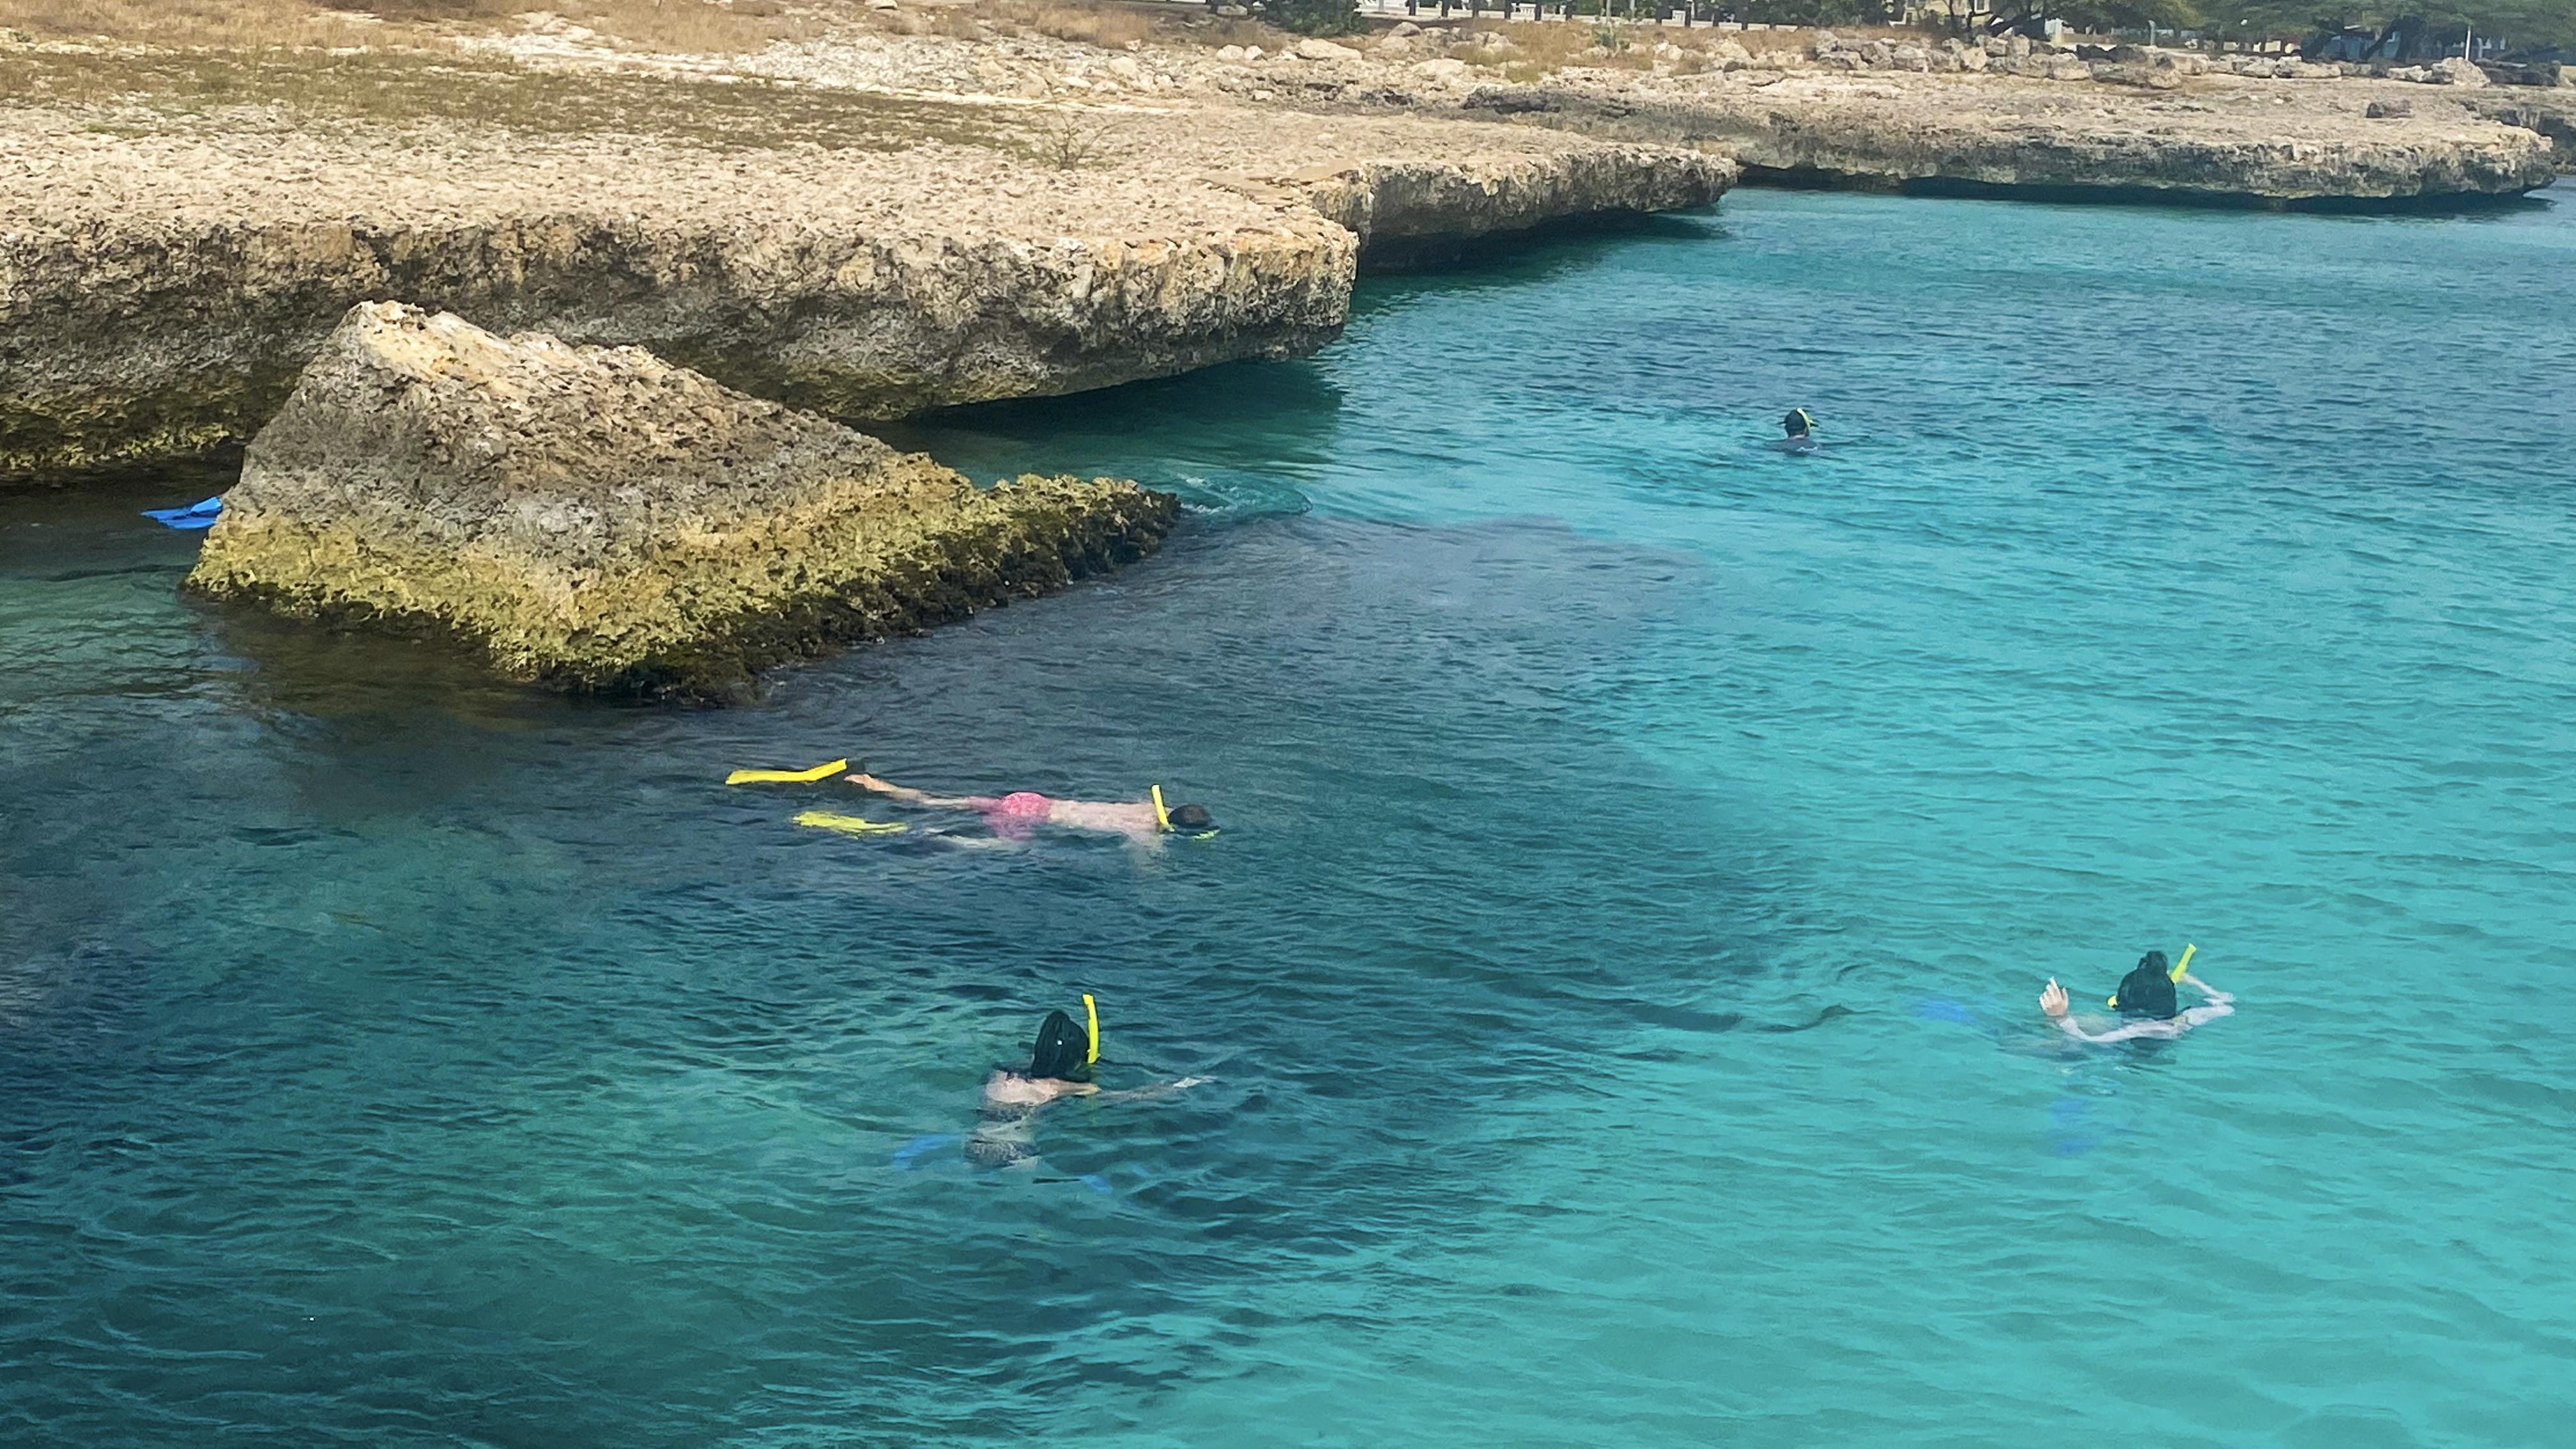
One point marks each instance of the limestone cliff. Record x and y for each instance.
(1403, 211)
(601, 519)
(2551, 111)
(159, 293)
(132, 342)
(1907, 132)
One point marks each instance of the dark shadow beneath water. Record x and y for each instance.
(1514, 248)
(1241, 393)
(1809, 178)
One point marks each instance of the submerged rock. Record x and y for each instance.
(599, 518)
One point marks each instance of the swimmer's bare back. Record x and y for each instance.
(1012, 814)
(1010, 1089)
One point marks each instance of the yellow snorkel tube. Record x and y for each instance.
(1091, 1019)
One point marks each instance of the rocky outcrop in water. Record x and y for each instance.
(1406, 212)
(2550, 112)
(2140, 137)
(135, 343)
(601, 519)
(159, 294)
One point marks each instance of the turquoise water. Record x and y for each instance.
(1641, 853)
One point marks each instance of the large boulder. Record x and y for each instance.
(2132, 65)
(2456, 71)
(1325, 50)
(599, 518)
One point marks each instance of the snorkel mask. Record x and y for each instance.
(1163, 817)
(2148, 989)
(1064, 1052)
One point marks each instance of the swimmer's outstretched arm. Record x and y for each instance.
(2221, 1003)
(2053, 1001)
(867, 781)
(1139, 1094)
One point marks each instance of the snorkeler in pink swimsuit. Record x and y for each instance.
(1017, 815)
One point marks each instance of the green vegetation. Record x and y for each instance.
(1313, 17)
(2518, 22)
(2515, 22)
(1815, 12)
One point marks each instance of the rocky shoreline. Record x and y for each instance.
(874, 224)
(1813, 107)
(163, 289)
(717, 260)
(1919, 132)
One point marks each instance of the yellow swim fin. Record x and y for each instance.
(787, 777)
(850, 824)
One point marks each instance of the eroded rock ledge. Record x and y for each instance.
(159, 293)
(601, 519)
(1914, 133)
(1408, 212)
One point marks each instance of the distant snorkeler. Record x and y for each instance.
(2145, 1002)
(1800, 430)
(1062, 1062)
(1017, 815)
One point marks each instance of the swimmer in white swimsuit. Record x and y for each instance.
(1060, 1065)
(2145, 1002)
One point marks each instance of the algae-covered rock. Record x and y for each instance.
(600, 518)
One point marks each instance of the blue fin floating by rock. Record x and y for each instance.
(195, 515)
(907, 1154)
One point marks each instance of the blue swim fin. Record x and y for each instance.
(926, 1142)
(200, 514)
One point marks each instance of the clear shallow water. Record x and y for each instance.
(1641, 852)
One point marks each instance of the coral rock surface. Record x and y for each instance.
(599, 518)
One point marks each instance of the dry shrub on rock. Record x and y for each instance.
(682, 26)
(1109, 28)
(1069, 139)
(225, 24)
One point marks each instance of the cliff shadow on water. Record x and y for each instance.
(2452, 204)
(1256, 427)
(1547, 245)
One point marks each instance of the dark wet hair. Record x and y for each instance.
(1191, 817)
(1060, 1050)
(2148, 990)
(1797, 422)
